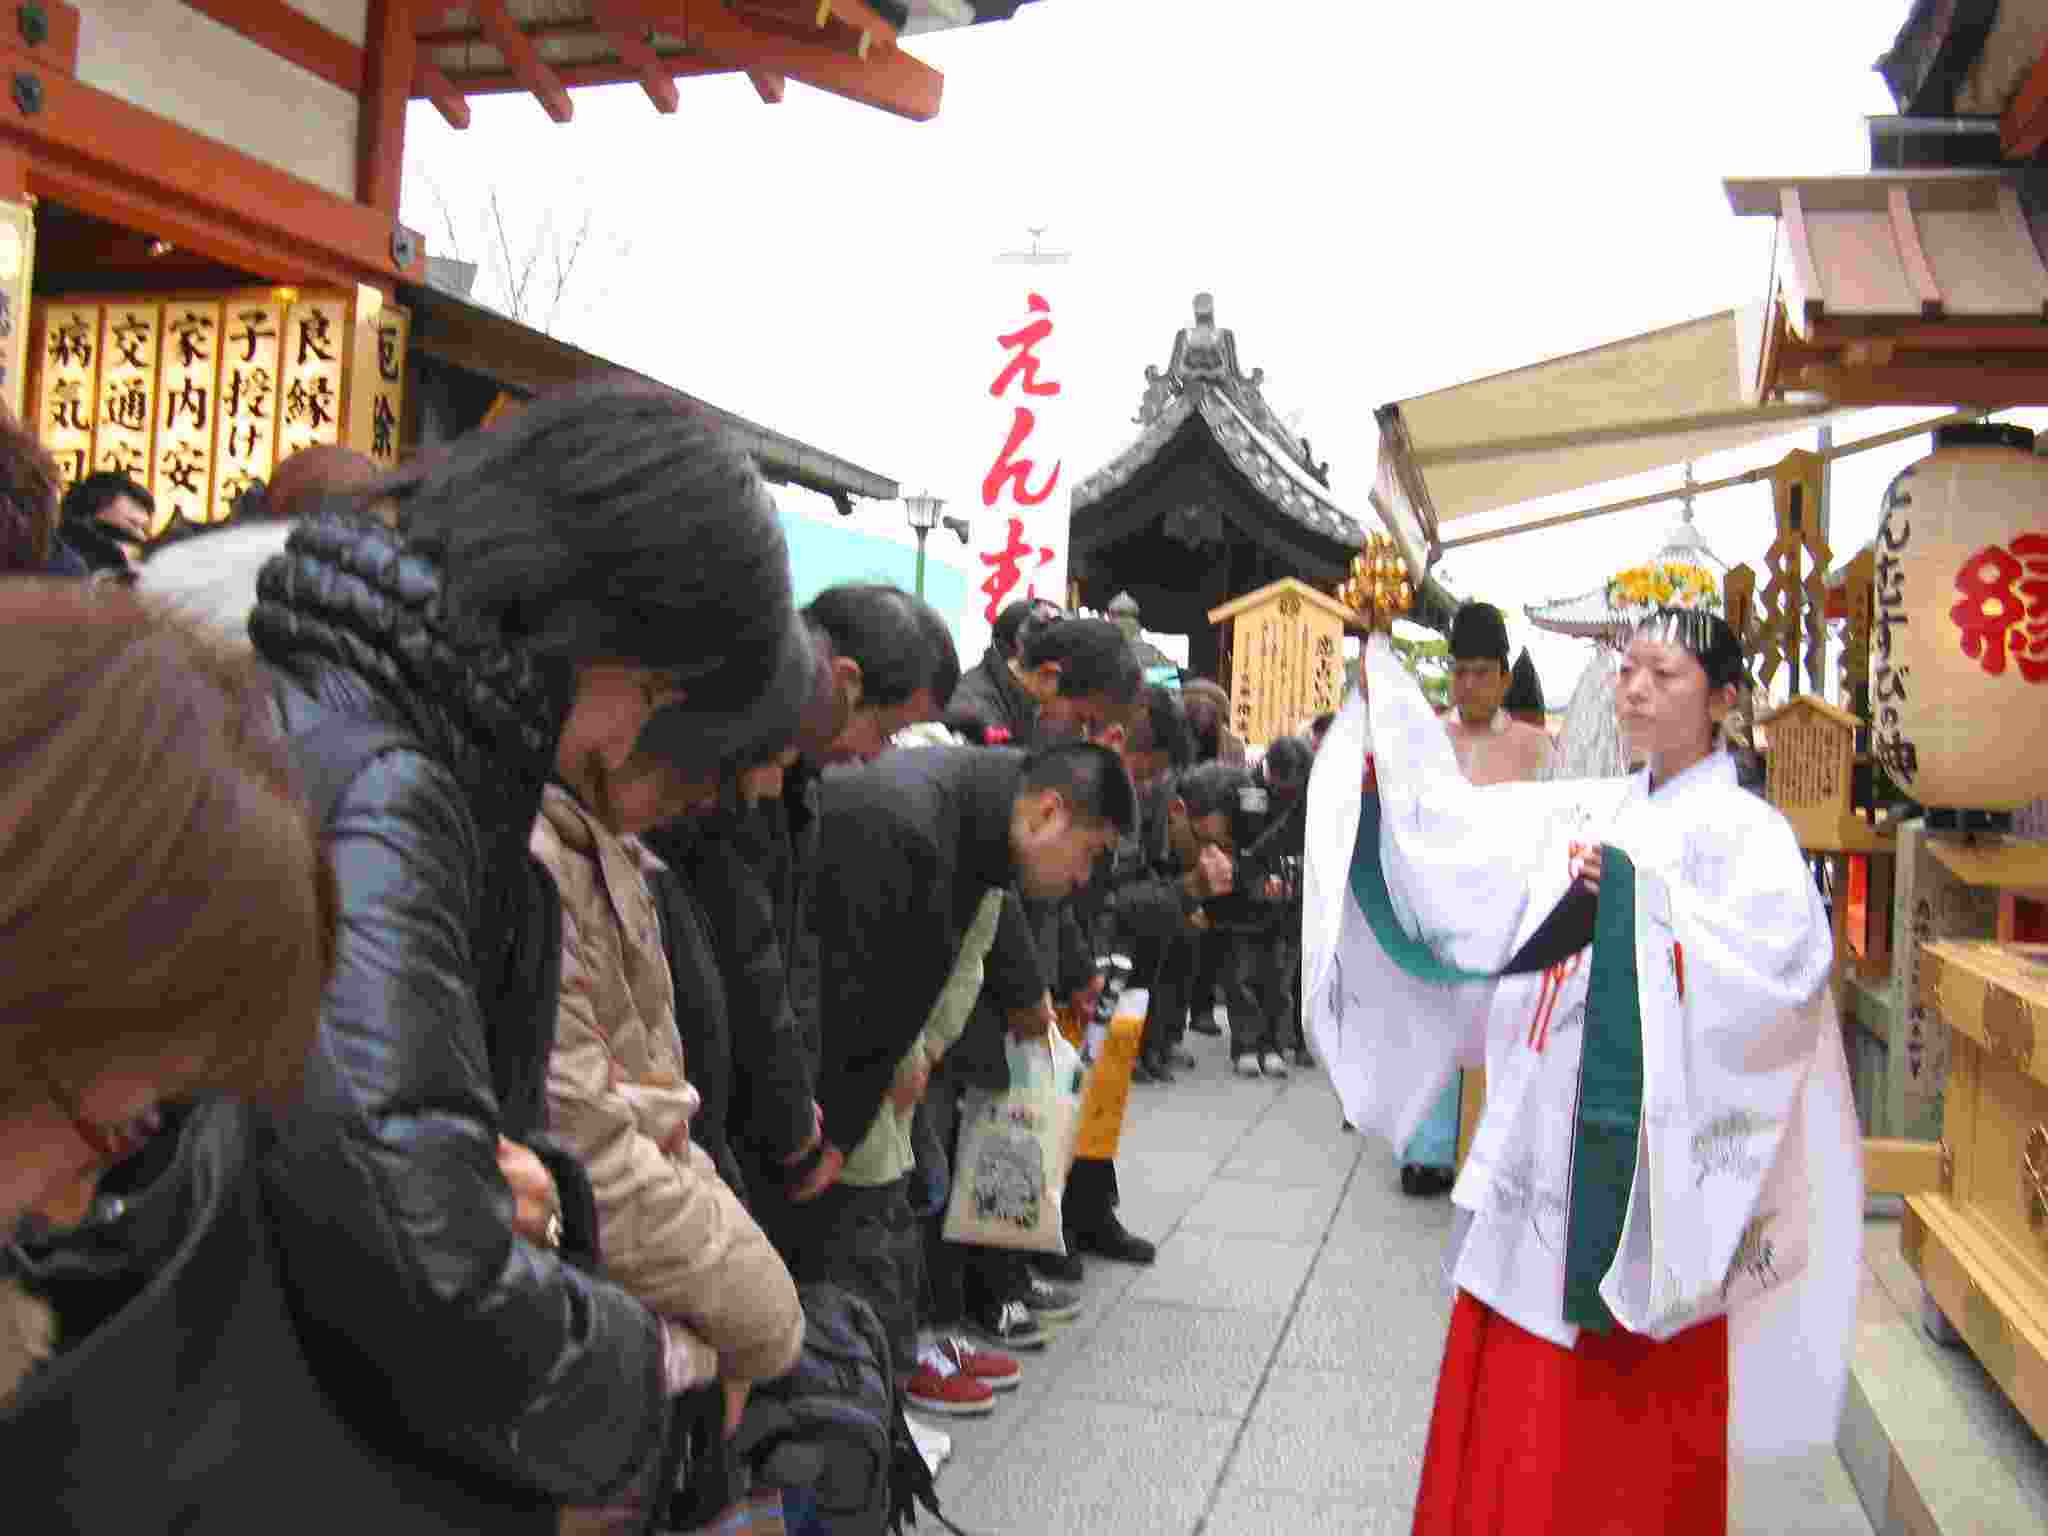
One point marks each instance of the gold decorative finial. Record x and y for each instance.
(1379, 587)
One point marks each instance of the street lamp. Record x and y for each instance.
(923, 512)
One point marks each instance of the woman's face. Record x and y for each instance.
(52, 1155)
(1665, 709)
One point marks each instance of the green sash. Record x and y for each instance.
(1607, 1127)
(1608, 1119)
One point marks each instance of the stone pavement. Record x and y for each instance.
(1274, 1371)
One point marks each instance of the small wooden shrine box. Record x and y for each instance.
(1981, 1243)
(1810, 775)
(1286, 650)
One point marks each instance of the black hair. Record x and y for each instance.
(1287, 761)
(1008, 631)
(1094, 656)
(901, 643)
(612, 520)
(1210, 787)
(1167, 725)
(1091, 777)
(91, 496)
(945, 655)
(1707, 637)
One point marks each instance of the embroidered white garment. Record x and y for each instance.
(1747, 1195)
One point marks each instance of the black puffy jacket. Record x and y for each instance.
(424, 1313)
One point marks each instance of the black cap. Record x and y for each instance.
(1525, 688)
(1479, 633)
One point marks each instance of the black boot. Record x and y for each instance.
(1423, 1183)
(1110, 1239)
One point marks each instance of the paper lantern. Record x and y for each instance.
(1959, 660)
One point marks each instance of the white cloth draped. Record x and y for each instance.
(1747, 1195)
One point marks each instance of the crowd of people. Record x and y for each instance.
(549, 969)
(495, 993)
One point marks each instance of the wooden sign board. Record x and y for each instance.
(1286, 645)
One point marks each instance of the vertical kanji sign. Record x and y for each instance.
(1021, 520)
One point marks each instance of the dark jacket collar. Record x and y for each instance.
(356, 615)
(987, 787)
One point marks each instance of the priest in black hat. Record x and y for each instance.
(1492, 746)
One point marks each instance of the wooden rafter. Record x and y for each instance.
(523, 59)
(862, 17)
(576, 76)
(96, 153)
(429, 82)
(888, 78)
(844, 47)
(617, 23)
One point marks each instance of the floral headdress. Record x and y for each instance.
(1664, 584)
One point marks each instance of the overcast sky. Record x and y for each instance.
(1384, 200)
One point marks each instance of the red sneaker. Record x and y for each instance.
(930, 1390)
(991, 1367)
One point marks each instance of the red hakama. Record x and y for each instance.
(1618, 1437)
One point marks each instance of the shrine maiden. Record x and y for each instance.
(1660, 1218)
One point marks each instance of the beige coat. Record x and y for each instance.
(672, 1233)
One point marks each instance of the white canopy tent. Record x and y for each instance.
(1651, 401)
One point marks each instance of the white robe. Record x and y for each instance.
(1747, 1196)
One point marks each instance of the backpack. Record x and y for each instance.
(834, 1424)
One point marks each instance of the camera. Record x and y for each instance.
(1266, 851)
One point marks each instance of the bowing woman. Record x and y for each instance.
(1659, 1226)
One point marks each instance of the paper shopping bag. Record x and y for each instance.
(1012, 1165)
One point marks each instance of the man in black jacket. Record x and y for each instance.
(1156, 904)
(596, 589)
(1071, 677)
(908, 848)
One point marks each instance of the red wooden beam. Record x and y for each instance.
(577, 76)
(617, 23)
(768, 87)
(429, 82)
(96, 153)
(387, 92)
(2024, 127)
(292, 35)
(888, 78)
(859, 15)
(523, 59)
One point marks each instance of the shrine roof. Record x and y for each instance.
(545, 47)
(526, 361)
(1204, 390)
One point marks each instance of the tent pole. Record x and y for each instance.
(1748, 477)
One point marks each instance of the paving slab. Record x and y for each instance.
(1274, 1371)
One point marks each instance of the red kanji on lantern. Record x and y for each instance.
(1006, 567)
(1008, 466)
(1025, 362)
(2004, 607)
